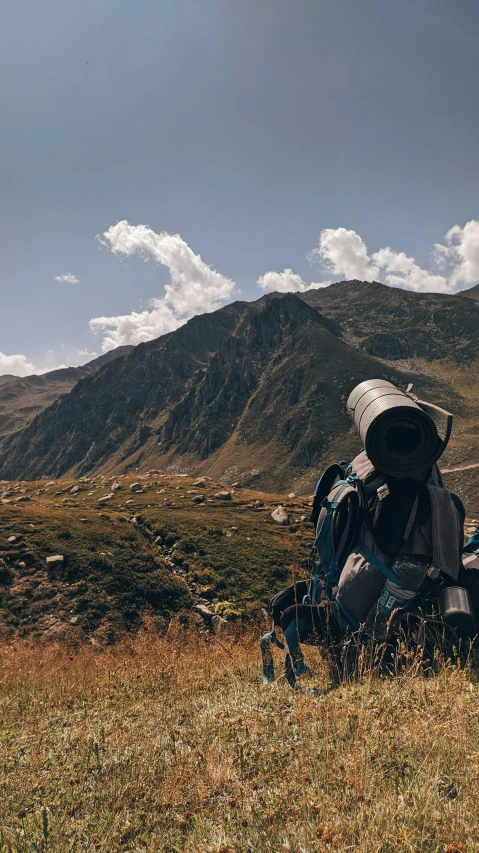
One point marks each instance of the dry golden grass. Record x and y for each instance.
(172, 744)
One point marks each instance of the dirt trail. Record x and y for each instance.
(461, 468)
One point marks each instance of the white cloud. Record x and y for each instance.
(461, 252)
(137, 327)
(69, 278)
(19, 365)
(287, 282)
(194, 287)
(344, 253)
(402, 271)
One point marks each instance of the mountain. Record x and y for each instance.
(395, 324)
(256, 392)
(21, 398)
(471, 292)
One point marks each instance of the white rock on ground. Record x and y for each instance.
(223, 496)
(136, 487)
(105, 499)
(55, 560)
(280, 516)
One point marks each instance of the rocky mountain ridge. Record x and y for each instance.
(256, 392)
(396, 325)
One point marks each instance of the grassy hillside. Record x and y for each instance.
(171, 745)
(163, 549)
(159, 551)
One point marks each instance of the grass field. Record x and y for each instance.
(171, 743)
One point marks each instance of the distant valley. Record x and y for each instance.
(22, 398)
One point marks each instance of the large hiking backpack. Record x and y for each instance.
(332, 602)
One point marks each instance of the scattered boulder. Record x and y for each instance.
(105, 499)
(198, 499)
(12, 539)
(223, 496)
(292, 495)
(280, 516)
(115, 486)
(129, 503)
(200, 484)
(22, 499)
(136, 487)
(54, 561)
(205, 612)
(74, 490)
(218, 624)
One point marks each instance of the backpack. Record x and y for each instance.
(332, 602)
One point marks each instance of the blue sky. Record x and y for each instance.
(247, 127)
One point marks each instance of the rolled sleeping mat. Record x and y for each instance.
(402, 436)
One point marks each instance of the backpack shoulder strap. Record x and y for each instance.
(323, 488)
